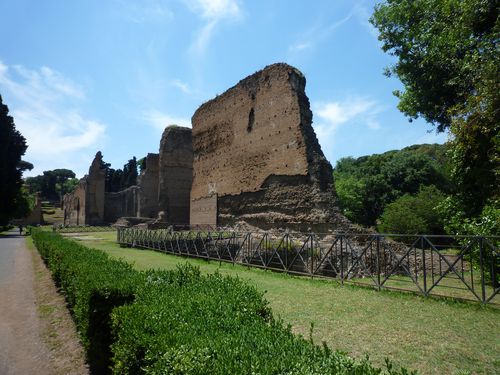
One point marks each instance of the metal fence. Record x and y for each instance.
(462, 267)
(82, 228)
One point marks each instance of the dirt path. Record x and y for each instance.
(35, 334)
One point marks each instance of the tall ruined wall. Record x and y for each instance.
(148, 187)
(94, 199)
(175, 174)
(74, 205)
(85, 206)
(121, 204)
(256, 151)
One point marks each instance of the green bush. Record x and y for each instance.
(179, 322)
(414, 214)
(93, 285)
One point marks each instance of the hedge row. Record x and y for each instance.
(179, 322)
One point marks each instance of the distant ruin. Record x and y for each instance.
(257, 158)
(175, 174)
(163, 187)
(85, 206)
(252, 157)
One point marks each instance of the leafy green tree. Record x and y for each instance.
(12, 148)
(449, 62)
(367, 184)
(129, 177)
(414, 214)
(51, 184)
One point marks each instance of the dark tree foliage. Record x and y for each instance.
(367, 184)
(12, 148)
(129, 177)
(118, 179)
(51, 184)
(414, 214)
(448, 59)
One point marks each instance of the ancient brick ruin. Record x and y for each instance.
(148, 187)
(252, 156)
(163, 187)
(257, 158)
(85, 206)
(176, 169)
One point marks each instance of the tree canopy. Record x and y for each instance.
(446, 51)
(448, 60)
(52, 184)
(367, 184)
(12, 148)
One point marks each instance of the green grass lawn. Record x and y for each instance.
(431, 335)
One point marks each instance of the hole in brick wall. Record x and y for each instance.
(251, 120)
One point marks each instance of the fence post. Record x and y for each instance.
(341, 260)
(423, 264)
(481, 265)
(378, 262)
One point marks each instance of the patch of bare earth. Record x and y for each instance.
(57, 328)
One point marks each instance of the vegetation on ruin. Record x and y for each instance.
(14, 200)
(431, 335)
(448, 61)
(179, 321)
(120, 179)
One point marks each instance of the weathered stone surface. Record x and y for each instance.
(85, 206)
(255, 148)
(175, 174)
(148, 187)
(121, 203)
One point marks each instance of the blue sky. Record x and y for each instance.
(82, 76)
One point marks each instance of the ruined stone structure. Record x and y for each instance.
(175, 174)
(148, 187)
(121, 203)
(257, 158)
(85, 206)
(162, 191)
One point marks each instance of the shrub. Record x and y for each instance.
(179, 322)
(414, 214)
(93, 285)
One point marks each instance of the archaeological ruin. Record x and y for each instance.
(251, 157)
(257, 158)
(162, 192)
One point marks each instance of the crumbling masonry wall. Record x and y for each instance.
(85, 206)
(255, 150)
(175, 174)
(123, 203)
(148, 187)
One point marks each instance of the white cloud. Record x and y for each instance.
(316, 35)
(46, 110)
(160, 120)
(331, 115)
(184, 87)
(212, 12)
(215, 9)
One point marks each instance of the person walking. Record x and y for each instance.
(20, 230)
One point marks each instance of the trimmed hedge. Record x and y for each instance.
(179, 322)
(93, 285)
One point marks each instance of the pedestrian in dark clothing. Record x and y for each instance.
(20, 230)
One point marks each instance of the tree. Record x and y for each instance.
(414, 214)
(449, 62)
(129, 177)
(12, 148)
(367, 184)
(51, 184)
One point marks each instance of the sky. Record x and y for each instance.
(82, 76)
